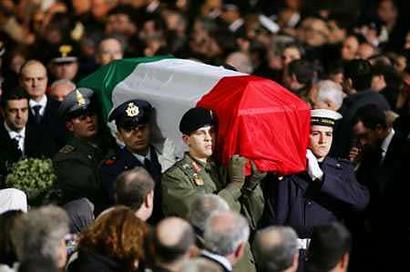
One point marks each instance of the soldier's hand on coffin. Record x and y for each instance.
(314, 170)
(255, 178)
(236, 169)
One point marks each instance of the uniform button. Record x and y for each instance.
(309, 203)
(125, 167)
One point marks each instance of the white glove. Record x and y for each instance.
(314, 170)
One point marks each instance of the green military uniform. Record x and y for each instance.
(189, 178)
(76, 166)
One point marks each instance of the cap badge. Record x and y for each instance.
(80, 98)
(132, 110)
(65, 49)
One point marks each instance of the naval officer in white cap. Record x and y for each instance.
(326, 191)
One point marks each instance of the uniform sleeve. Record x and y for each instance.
(341, 184)
(282, 201)
(177, 193)
(231, 194)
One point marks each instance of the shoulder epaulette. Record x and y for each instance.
(67, 149)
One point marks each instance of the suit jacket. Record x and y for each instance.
(51, 127)
(125, 160)
(9, 152)
(344, 135)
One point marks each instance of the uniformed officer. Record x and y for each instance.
(76, 164)
(326, 191)
(133, 120)
(197, 174)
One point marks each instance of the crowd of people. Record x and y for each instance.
(119, 203)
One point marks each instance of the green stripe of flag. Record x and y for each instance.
(103, 81)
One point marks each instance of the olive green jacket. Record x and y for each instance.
(189, 178)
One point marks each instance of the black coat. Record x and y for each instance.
(125, 160)
(34, 147)
(344, 135)
(51, 127)
(303, 204)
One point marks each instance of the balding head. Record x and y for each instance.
(173, 240)
(276, 249)
(135, 189)
(225, 232)
(33, 78)
(203, 207)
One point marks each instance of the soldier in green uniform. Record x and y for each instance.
(197, 174)
(76, 164)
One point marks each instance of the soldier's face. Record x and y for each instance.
(201, 142)
(84, 126)
(136, 139)
(320, 140)
(16, 114)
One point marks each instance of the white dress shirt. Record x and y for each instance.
(18, 135)
(386, 143)
(42, 103)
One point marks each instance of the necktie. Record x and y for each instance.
(37, 115)
(148, 165)
(16, 140)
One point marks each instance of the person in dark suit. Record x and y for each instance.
(326, 192)
(225, 236)
(134, 125)
(383, 160)
(17, 138)
(43, 112)
(173, 243)
(358, 78)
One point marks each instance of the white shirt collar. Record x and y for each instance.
(221, 259)
(386, 142)
(13, 134)
(142, 158)
(42, 103)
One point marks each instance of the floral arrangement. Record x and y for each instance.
(33, 176)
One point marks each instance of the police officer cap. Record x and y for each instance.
(131, 113)
(323, 117)
(76, 103)
(194, 119)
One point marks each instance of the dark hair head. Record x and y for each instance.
(343, 20)
(17, 93)
(328, 245)
(132, 187)
(389, 73)
(38, 265)
(359, 71)
(303, 70)
(7, 252)
(371, 116)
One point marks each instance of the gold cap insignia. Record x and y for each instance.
(65, 49)
(132, 110)
(80, 98)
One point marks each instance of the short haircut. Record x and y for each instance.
(330, 90)
(203, 207)
(132, 187)
(343, 20)
(224, 232)
(62, 81)
(360, 73)
(302, 70)
(17, 93)
(328, 245)
(275, 248)
(170, 249)
(38, 233)
(371, 116)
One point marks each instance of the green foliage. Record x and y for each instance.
(33, 176)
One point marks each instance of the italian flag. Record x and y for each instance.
(256, 117)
